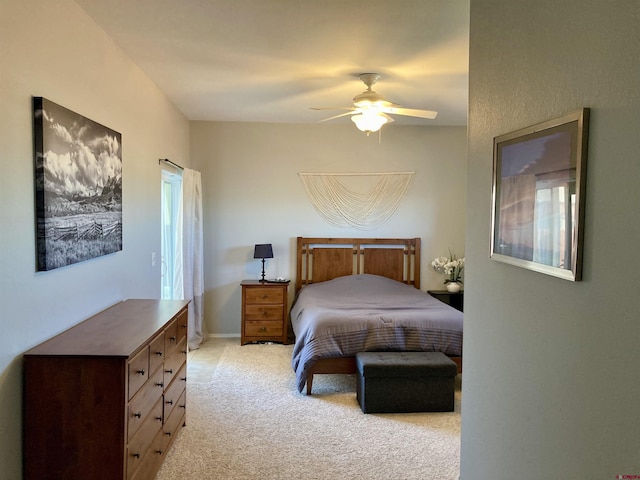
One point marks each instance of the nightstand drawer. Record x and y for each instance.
(263, 312)
(262, 295)
(263, 329)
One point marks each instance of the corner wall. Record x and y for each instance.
(550, 366)
(54, 50)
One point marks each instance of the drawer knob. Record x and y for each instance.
(141, 371)
(170, 371)
(159, 419)
(168, 434)
(184, 325)
(183, 406)
(159, 354)
(184, 379)
(173, 339)
(159, 384)
(136, 455)
(169, 402)
(159, 452)
(137, 415)
(263, 329)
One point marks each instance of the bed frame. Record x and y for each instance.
(321, 259)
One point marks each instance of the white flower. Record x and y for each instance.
(451, 266)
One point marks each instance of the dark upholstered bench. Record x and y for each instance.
(402, 382)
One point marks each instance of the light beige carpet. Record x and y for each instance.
(249, 422)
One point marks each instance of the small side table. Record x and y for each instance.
(264, 311)
(456, 300)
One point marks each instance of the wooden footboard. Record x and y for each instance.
(345, 365)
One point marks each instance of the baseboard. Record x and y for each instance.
(224, 335)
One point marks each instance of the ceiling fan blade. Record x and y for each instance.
(331, 108)
(411, 112)
(338, 116)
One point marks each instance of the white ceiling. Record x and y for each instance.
(270, 60)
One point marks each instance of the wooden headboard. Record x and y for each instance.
(321, 259)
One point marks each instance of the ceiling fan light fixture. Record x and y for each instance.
(368, 122)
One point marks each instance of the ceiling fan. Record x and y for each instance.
(370, 109)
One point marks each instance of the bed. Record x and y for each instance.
(363, 294)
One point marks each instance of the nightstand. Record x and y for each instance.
(264, 311)
(456, 300)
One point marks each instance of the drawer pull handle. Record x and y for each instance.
(170, 371)
(169, 402)
(263, 329)
(136, 455)
(265, 296)
(183, 406)
(141, 372)
(159, 452)
(173, 339)
(184, 325)
(159, 384)
(184, 379)
(137, 415)
(184, 351)
(159, 419)
(168, 434)
(159, 354)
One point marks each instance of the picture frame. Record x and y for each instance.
(78, 187)
(538, 196)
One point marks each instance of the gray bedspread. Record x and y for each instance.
(359, 313)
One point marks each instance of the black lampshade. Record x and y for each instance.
(263, 250)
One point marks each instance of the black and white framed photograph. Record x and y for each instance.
(539, 177)
(78, 187)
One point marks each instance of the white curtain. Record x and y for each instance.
(192, 254)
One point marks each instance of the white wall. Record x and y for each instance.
(252, 194)
(550, 366)
(52, 49)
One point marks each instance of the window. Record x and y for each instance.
(171, 195)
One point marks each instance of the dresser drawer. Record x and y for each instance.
(262, 295)
(263, 312)
(156, 353)
(175, 420)
(138, 371)
(182, 324)
(263, 329)
(172, 394)
(174, 361)
(142, 439)
(171, 337)
(141, 405)
(150, 462)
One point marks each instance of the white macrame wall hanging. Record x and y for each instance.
(360, 200)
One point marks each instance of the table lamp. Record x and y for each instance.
(263, 250)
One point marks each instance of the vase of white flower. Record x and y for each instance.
(453, 287)
(452, 267)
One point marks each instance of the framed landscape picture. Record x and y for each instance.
(539, 176)
(78, 187)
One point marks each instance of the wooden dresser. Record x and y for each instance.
(105, 399)
(264, 311)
